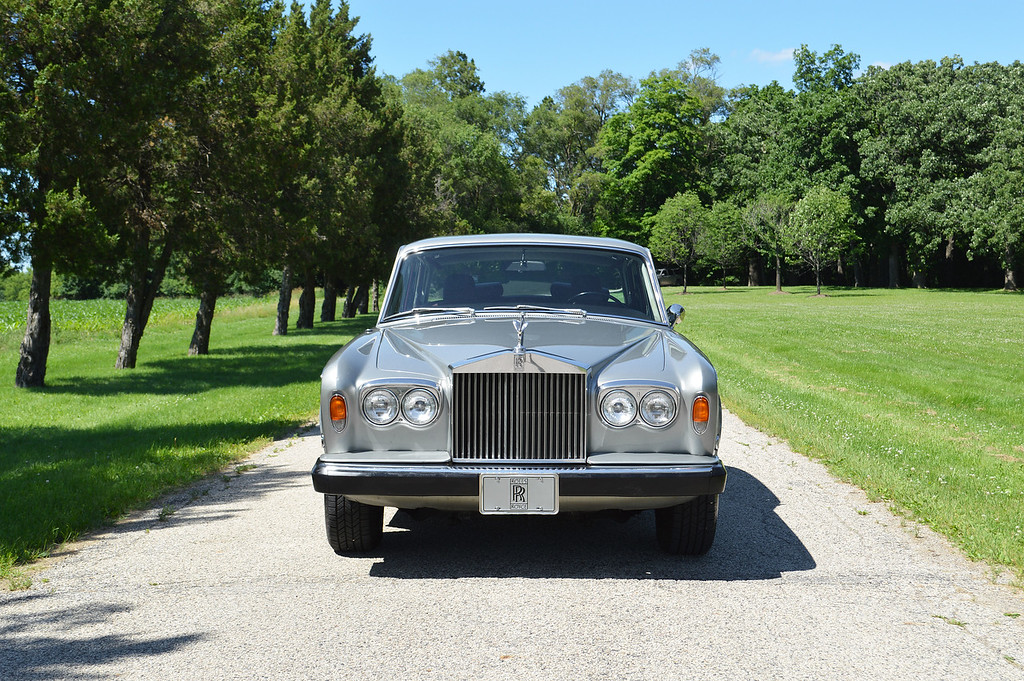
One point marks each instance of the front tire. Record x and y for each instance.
(352, 527)
(688, 529)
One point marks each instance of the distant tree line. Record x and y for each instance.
(207, 144)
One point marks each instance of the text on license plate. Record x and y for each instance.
(511, 494)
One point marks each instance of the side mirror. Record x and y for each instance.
(675, 314)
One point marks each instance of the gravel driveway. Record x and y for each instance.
(806, 580)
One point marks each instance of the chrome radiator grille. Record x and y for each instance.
(519, 417)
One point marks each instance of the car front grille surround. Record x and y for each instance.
(519, 416)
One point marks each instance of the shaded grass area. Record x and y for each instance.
(917, 396)
(97, 442)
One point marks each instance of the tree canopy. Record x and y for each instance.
(232, 140)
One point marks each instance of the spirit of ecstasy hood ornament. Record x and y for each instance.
(520, 326)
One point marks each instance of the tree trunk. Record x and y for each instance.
(307, 301)
(329, 308)
(376, 296)
(685, 272)
(858, 274)
(362, 301)
(142, 292)
(778, 274)
(200, 344)
(35, 347)
(918, 279)
(1009, 273)
(284, 302)
(753, 271)
(894, 266)
(349, 310)
(817, 279)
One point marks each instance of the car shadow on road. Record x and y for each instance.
(752, 543)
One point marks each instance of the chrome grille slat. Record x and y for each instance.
(538, 417)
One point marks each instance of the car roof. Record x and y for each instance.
(517, 239)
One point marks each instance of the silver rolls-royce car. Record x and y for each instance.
(521, 374)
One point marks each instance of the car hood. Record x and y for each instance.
(429, 349)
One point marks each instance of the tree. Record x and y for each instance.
(833, 71)
(819, 230)
(753, 152)
(676, 230)
(475, 140)
(764, 229)
(927, 125)
(649, 153)
(455, 74)
(994, 196)
(319, 121)
(721, 241)
(52, 67)
(562, 132)
(228, 188)
(700, 72)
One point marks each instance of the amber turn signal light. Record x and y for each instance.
(701, 413)
(339, 411)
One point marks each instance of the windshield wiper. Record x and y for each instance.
(431, 311)
(579, 312)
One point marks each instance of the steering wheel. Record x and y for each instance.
(595, 298)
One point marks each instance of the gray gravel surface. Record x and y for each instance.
(806, 580)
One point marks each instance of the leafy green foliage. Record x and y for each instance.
(677, 229)
(834, 70)
(475, 144)
(650, 152)
(819, 230)
(765, 222)
(15, 286)
(722, 243)
(927, 124)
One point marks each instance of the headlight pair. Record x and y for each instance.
(418, 406)
(657, 408)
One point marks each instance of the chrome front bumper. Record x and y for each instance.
(581, 488)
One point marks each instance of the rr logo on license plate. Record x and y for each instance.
(508, 494)
(518, 494)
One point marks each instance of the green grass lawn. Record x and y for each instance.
(917, 396)
(97, 442)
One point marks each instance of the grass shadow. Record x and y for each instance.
(300, 356)
(252, 366)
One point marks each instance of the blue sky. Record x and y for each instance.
(534, 47)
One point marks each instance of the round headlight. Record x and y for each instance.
(658, 408)
(419, 407)
(618, 408)
(380, 407)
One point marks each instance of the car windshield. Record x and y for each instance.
(534, 278)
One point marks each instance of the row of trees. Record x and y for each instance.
(226, 138)
(929, 155)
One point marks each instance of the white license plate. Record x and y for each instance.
(512, 494)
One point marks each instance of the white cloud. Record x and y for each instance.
(882, 64)
(773, 57)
